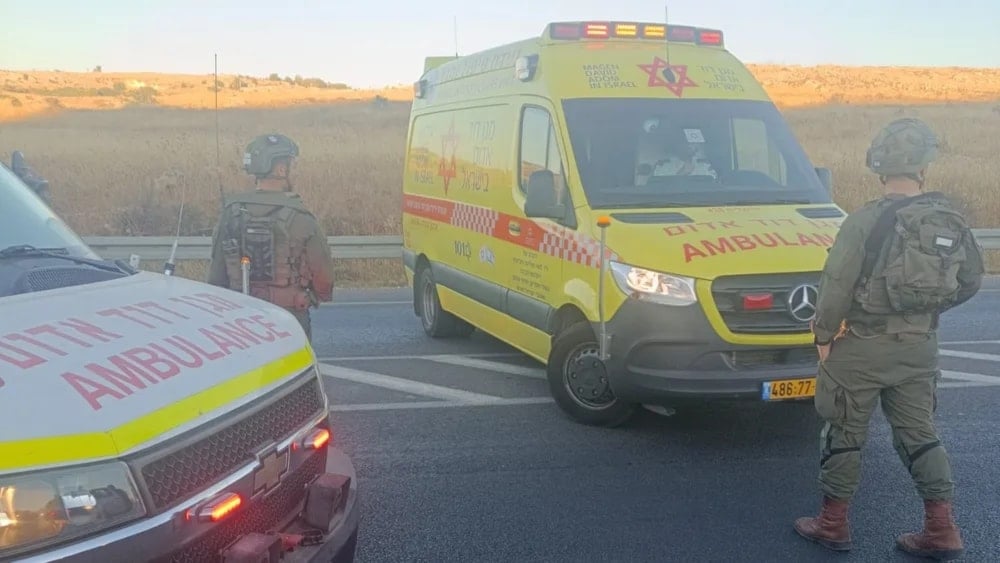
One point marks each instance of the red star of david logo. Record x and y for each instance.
(447, 166)
(656, 78)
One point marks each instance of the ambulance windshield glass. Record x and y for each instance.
(26, 220)
(662, 153)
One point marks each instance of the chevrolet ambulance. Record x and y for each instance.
(151, 418)
(624, 203)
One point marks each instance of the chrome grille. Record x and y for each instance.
(262, 516)
(184, 471)
(728, 293)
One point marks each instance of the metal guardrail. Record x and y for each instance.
(200, 248)
(343, 247)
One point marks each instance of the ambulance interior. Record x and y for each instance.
(663, 153)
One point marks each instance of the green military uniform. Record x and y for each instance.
(878, 352)
(289, 259)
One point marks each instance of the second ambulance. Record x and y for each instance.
(622, 202)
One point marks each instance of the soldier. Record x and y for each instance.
(289, 259)
(880, 297)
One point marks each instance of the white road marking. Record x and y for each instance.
(418, 357)
(416, 405)
(977, 377)
(967, 342)
(405, 385)
(971, 355)
(475, 363)
(362, 303)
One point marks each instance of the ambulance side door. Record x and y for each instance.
(537, 268)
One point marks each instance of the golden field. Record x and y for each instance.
(122, 170)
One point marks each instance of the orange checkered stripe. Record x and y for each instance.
(550, 239)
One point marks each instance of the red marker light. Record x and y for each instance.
(758, 301)
(709, 37)
(596, 30)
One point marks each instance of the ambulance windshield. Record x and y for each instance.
(26, 221)
(662, 153)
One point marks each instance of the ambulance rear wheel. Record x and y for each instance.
(437, 322)
(578, 380)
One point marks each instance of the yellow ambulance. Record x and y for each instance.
(622, 202)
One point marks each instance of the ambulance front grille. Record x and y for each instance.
(261, 516)
(728, 293)
(181, 473)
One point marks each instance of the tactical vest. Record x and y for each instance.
(259, 228)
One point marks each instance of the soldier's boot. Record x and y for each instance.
(830, 528)
(940, 538)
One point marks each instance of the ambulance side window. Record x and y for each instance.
(540, 149)
(755, 150)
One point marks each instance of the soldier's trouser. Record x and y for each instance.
(303, 317)
(902, 371)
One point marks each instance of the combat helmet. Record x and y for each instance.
(263, 151)
(902, 148)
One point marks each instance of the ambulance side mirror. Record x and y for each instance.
(826, 178)
(541, 197)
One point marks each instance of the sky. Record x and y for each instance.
(373, 43)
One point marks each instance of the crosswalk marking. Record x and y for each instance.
(479, 366)
(465, 361)
(417, 357)
(971, 376)
(439, 404)
(971, 355)
(405, 385)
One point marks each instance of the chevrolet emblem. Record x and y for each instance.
(273, 466)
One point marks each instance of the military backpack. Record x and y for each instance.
(912, 257)
(266, 240)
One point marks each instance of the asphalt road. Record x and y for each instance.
(462, 456)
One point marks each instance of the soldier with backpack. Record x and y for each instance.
(896, 265)
(269, 235)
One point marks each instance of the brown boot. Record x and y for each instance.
(830, 529)
(940, 538)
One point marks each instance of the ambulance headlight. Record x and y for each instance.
(654, 286)
(46, 507)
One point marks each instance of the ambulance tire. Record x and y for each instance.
(574, 358)
(437, 322)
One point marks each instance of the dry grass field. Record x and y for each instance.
(123, 170)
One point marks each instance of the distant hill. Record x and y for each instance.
(27, 93)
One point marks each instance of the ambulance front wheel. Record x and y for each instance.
(437, 322)
(578, 380)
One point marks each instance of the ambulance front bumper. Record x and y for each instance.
(661, 353)
(328, 477)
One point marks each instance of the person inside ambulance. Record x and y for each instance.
(663, 150)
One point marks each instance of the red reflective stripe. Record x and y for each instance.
(552, 240)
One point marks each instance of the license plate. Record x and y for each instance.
(788, 389)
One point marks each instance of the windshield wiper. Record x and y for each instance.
(23, 250)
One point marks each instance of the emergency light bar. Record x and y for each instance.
(569, 31)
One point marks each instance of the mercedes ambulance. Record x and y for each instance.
(152, 418)
(622, 202)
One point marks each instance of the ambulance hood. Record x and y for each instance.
(708, 242)
(97, 370)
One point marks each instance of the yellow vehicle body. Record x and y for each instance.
(716, 225)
